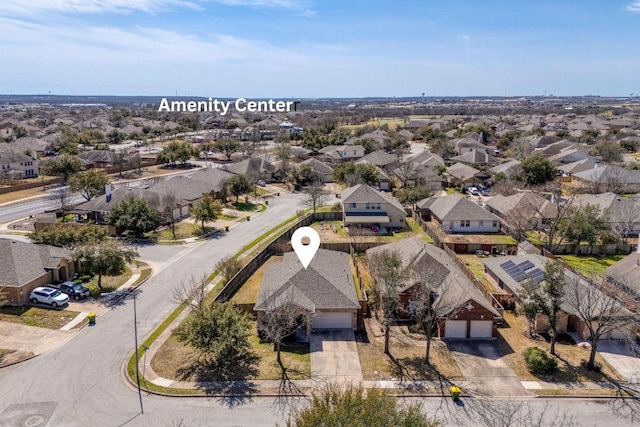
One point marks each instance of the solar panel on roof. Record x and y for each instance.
(536, 275)
(526, 265)
(519, 276)
(507, 264)
(514, 271)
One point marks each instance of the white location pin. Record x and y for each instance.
(305, 252)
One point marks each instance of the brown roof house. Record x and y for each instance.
(364, 206)
(457, 214)
(25, 266)
(466, 313)
(325, 288)
(323, 171)
(461, 174)
(254, 168)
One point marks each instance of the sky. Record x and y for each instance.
(320, 48)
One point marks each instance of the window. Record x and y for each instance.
(368, 206)
(481, 223)
(378, 207)
(495, 224)
(465, 223)
(353, 205)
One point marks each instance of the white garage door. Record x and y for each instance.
(481, 328)
(455, 329)
(331, 320)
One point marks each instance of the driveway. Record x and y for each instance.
(482, 365)
(618, 355)
(334, 356)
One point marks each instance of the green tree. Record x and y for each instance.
(411, 195)
(536, 170)
(175, 152)
(69, 237)
(219, 333)
(389, 275)
(585, 224)
(67, 142)
(239, 184)
(89, 183)
(91, 137)
(610, 151)
(228, 266)
(340, 406)
(207, 209)
(134, 215)
(350, 173)
(546, 297)
(116, 136)
(227, 146)
(108, 257)
(63, 166)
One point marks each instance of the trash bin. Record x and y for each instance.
(266, 202)
(455, 392)
(226, 228)
(248, 218)
(92, 318)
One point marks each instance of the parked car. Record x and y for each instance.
(473, 191)
(74, 290)
(49, 296)
(483, 190)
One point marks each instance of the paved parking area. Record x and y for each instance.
(334, 356)
(482, 365)
(619, 356)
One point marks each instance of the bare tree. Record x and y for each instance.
(520, 149)
(406, 171)
(514, 413)
(283, 153)
(624, 218)
(121, 159)
(389, 275)
(602, 314)
(167, 206)
(62, 198)
(316, 196)
(191, 292)
(558, 211)
(280, 320)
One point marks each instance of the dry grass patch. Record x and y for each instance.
(476, 266)
(513, 339)
(407, 361)
(38, 317)
(248, 292)
(174, 357)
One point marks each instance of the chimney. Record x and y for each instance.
(107, 192)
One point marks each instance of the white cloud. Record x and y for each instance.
(464, 38)
(22, 8)
(287, 4)
(634, 7)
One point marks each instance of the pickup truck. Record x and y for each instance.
(73, 289)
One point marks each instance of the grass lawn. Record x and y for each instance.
(534, 237)
(183, 230)
(415, 227)
(592, 263)
(513, 340)
(35, 316)
(109, 283)
(246, 207)
(248, 292)
(173, 356)
(327, 233)
(476, 266)
(408, 358)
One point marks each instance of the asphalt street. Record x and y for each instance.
(81, 384)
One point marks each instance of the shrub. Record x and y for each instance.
(337, 207)
(538, 362)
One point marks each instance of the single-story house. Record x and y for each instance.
(610, 178)
(529, 209)
(625, 275)
(465, 312)
(476, 156)
(461, 174)
(364, 206)
(338, 153)
(255, 169)
(325, 288)
(25, 266)
(385, 183)
(97, 158)
(215, 178)
(323, 171)
(381, 159)
(457, 214)
(507, 168)
(97, 208)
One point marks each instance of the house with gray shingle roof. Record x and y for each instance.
(381, 159)
(625, 275)
(469, 313)
(255, 169)
(215, 178)
(457, 214)
(17, 165)
(25, 266)
(364, 206)
(325, 288)
(322, 170)
(461, 174)
(97, 208)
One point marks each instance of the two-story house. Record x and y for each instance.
(18, 165)
(364, 206)
(341, 153)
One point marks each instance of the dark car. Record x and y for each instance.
(74, 290)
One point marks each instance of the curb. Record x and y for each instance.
(19, 361)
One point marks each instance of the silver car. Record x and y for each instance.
(50, 296)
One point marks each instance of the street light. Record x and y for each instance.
(135, 334)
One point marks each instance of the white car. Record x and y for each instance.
(473, 191)
(50, 296)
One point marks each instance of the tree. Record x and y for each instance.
(350, 173)
(63, 199)
(610, 151)
(559, 211)
(406, 171)
(389, 275)
(64, 166)
(546, 297)
(520, 149)
(115, 136)
(411, 195)
(207, 209)
(623, 218)
(67, 142)
(69, 237)
(228, 267)
(279, 321)
(220, 335)
(174, 152)
(120, 160)
(168, 202)
(283, 153)
(89, 183)
(584, 224)
(536, 170)
(239, 184)
(339, 406)
(316, 196)
(601, 313)
(133, 215)
(107, 257)
(227, 146)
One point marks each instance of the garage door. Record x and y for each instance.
(481, 328)
(455, 329)
(330, 320)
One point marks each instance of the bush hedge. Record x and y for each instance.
(538, 361)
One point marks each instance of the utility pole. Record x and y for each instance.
(135, 334)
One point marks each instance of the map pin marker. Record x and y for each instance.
(305, 252)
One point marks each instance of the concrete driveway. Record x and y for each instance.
(618, 355)
(482, 365)
(334, 356)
